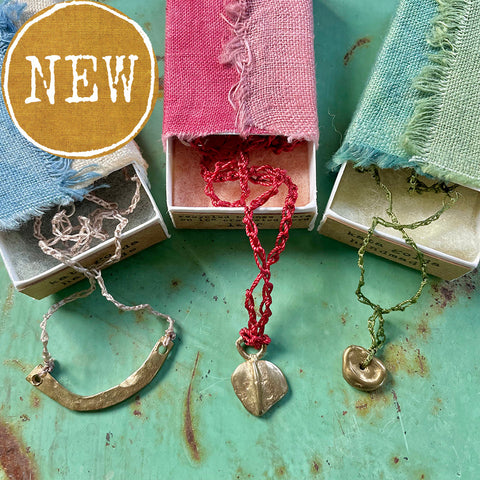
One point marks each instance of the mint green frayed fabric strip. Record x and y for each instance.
(443, 135)
(389, 99)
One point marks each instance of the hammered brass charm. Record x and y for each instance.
(365, 379)
(257, 383)
(130, 386)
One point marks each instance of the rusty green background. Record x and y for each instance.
(187, 423)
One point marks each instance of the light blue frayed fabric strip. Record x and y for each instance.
(31, 180)
(374, 135)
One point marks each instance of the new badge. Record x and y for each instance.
(79, 79)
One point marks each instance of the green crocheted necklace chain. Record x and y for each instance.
(361, 368)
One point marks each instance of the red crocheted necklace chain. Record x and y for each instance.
(230, 160)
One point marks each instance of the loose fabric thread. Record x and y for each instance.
(82, 235)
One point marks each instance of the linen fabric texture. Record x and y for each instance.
(443, 135)
(32, 7)
(388, 101)
(253, 55)
(421, 105)
(33, 181)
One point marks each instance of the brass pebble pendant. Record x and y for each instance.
(257, 383)
(367, 378)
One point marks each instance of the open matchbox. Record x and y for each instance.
(450, 244)
(190, 207)
(38, 275)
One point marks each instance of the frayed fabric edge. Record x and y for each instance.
(20, 218)
(186, 139)
(10, 12)
(444, 174)
(236, 52)
(433, 79)
(67, 179)
(363, 156)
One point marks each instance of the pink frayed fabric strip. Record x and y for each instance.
(196, 84)
(242, 67)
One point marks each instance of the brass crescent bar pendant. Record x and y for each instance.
(257, 383)
(133, 384)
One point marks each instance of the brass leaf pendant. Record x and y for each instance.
(257, 383)
(366, 379)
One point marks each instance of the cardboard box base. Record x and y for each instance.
(38, 275)
(201, 215)
(390, 249)
(228, 221)
(346, 230)
(66, 276)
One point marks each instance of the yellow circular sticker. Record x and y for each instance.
(79, 79)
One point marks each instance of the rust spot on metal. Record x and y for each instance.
(160, 86)
(280, 471)
(364, 41)
(136, 407)
(210, 283)
(34, 400)
(8, 303)
(316, 468)
(14, 458)
(361, 406)
(25, 417)
(397, 357)
(421, 361)
(437, 408)
(17, 365)
(444, 294)
(395, 400)
(372, 402)
(175, 283)
(188, 429)
(109, 440)
(466, 284)
(139, 316)
(395, 460)
(344, 412)
(240, 474)
(423, 329)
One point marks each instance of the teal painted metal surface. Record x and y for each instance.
(188, 423)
